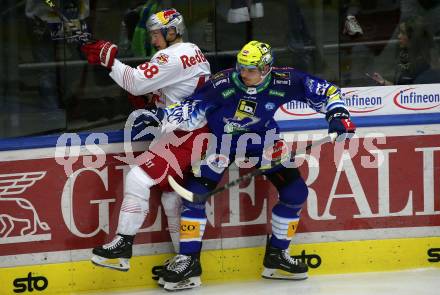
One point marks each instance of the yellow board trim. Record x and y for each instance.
(231, 265)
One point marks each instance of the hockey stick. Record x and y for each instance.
(82, 37)
(198, 198)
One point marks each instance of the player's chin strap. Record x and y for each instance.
(169, 42)
(198, 198)
(263, 77)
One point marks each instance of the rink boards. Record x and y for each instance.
(373, 205)
(227, 265)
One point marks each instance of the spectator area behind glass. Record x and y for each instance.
(47, 86)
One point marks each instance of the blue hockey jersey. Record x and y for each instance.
(230, 107)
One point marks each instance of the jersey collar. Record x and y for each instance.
(251, 90)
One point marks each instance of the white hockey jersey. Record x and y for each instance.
(175, 72)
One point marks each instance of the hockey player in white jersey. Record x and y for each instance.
(175, 71)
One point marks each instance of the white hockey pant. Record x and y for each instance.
(135, 206)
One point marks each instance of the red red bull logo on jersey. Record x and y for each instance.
(362, 103)
(189, 61)
(414, 99)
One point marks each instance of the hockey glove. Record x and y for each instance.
(339, 122)
(100, 52)
(147, 101)
(144, 120)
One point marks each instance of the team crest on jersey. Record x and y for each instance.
(162, 58)
(238, 125)
(243, 117)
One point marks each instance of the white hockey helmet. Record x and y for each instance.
(165, 19)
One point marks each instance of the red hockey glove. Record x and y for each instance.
(143, 101)
(100, 52)
(339, 122)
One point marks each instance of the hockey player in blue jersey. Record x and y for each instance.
(239, 102)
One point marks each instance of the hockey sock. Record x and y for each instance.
(175, 236)
(285, 214)
(284, 223)
(192, 227)
(172, 204)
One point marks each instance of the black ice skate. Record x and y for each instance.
(279, 265)
(120, 248)
(158, 272)
(183, 272)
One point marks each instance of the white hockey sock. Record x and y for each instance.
(135, 205)
(172, 205)
(284, 228)
(174, 232)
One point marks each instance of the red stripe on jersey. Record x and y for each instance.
(201, 81)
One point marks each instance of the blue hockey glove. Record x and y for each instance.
(339, 122)
(146, 118)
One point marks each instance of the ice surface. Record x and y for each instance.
(413, 282)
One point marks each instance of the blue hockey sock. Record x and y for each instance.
(192, 227)
(285, 214)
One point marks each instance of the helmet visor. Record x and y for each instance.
(240, 67)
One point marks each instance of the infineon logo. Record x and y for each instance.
(354, 102)
(297, 108)
(411, 99)
(362, 104)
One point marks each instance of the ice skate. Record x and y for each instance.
(114, 255)
(158, 271)
(183, 272)
(279, 265)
